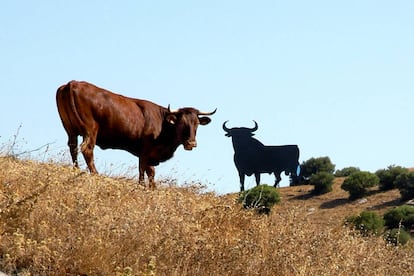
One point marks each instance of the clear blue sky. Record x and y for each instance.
(334, 77)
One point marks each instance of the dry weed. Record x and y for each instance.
(55, 220)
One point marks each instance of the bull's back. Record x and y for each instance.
(279, 158)
(78, 103)
(119, 121)
(87, 102)
(287, 156)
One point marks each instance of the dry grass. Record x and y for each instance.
(55, 220)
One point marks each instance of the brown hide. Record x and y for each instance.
(110, 120)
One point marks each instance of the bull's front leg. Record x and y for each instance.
(257, 176)
(241, 175)
(150, 170)
(142, 167)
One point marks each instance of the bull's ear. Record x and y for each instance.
(171, 118)
(204, 120)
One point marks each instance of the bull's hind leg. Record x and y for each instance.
(73, 148)
(278, 179)
(87, 147)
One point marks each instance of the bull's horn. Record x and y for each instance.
(225, 128)
(207, 113)
(255, 126)
(172, 111)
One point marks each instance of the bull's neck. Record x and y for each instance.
(241, 143)
(168, 138)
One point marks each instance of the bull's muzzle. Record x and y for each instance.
(189, 145)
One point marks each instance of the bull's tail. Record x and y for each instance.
(296, 166)
(297, 163)
(65, 100)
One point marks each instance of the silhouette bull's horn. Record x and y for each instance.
(255, 127)
(207, 113)
(225, 128)
(172, 111)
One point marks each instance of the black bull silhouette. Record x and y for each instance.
(252, 157)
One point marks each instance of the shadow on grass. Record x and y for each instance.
(335, 203)
(304, 196)
(392, 203)
(326, 205)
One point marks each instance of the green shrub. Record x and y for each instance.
(369, 223)
(315, 165)
(358, 183)
(405, 183)
(388, 176)
(261, 198)
(323, 182)
(397, 236)
(346, 171)
(400, 216)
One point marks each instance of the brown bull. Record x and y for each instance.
(145, 129)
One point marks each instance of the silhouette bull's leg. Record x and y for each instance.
(257, 175)
(278, 179)
(87, 146)
(241, 175)
(73, 148)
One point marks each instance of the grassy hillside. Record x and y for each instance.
(55, 220)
